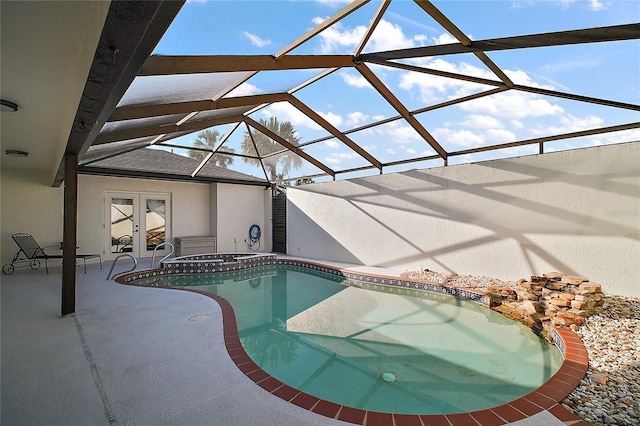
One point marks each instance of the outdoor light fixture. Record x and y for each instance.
(8, 106)
(16, 152)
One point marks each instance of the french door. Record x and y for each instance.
(136, 223)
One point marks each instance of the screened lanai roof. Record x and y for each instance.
(380, 86)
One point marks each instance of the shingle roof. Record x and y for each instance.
(160, 164)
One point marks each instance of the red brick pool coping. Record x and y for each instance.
(547, 397)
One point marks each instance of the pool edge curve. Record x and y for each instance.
(547, 397)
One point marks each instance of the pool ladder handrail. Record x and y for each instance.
(135, 261)
(135, 265)
(153, 258)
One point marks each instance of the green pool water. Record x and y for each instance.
(378, 348)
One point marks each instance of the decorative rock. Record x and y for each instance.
(504, 309)
(556, 285)
(573, 279)
(579, 312)
(527, 308)
(540, 317)
(566, 318)
(560, 302)
(591, 287)
(491, 300)
(578, 304)
(554, 275)
(599, 378)
(526, 295)
(525, 285)
(501, 291)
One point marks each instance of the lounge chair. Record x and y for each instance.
(30, 252)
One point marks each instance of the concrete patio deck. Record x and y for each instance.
(130, 355)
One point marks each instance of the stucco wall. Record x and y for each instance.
(239, 207)
(29, 204)
(574, 211)
(189, 207)
(213, 209)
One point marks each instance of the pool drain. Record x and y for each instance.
(389, 377)
(202, 317)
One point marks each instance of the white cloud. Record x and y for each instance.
(332, 144)
(333, 3)
(354, 80)
(397, 132)
(389, 36)
(245, 89)
(463, 138)
(445, 38)
(403, 134)
(355, 118)
(339, 157)
(432, 88)
(461, 68)
(623, 136)
(495, 136)
(257, 41)
(569, 123)
(386, 36)
(332, 118)
(286, 112)
(479, 121)
(521, 77)
(337, 39)
(516, 124)
(576, 123)
(512, 105)
(597, 5)
(420, 38)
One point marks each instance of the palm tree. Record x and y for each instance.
(208, 139)
(287, 160)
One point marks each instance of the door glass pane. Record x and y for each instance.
(155, 221)
(121, 225)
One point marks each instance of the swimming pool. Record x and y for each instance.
(374, 347)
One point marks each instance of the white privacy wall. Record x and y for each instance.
(575, 211)
(239, 207)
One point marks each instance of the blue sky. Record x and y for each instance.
(345, 99)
